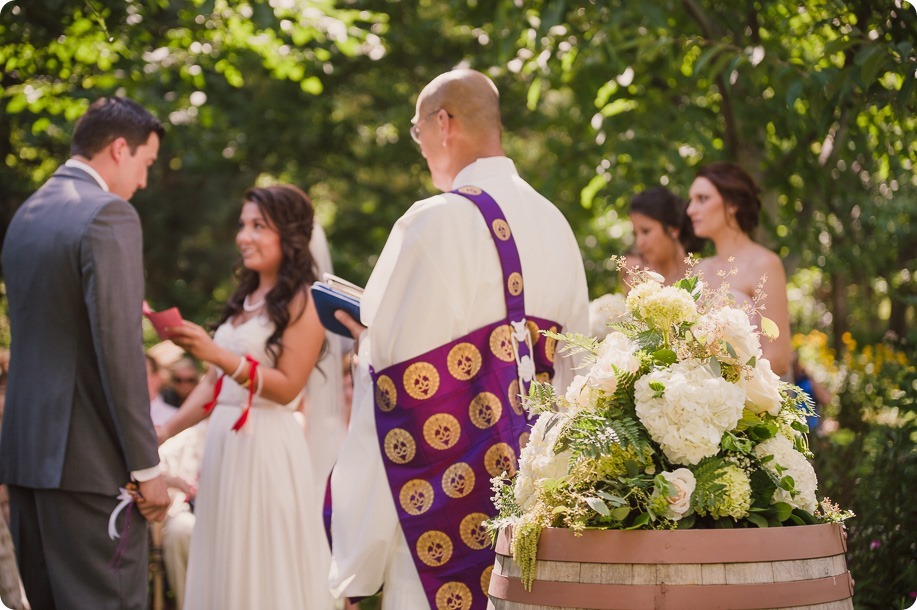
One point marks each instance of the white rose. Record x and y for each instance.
(763, 389)
(619, 350)
(616, 351)
(795, 465)
(602, 377)
(538, 462)
(732, 326)
(580, 395)
(684, 482)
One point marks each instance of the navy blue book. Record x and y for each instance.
(331, 294)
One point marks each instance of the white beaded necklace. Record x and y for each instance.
(251, 308)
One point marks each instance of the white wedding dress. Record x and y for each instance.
(258, 540)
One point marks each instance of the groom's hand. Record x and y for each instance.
(153, 502)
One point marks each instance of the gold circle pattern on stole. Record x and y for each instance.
(442, 431)
(473, 532)
(434, 548)
(464, 361)
(400, 446)
(386, 394)
(453, 596)
(544, 377)
(470, 190)
(500, 343)
(458, 480)
(499, 459)
(533, 331)
(514, 283)
(485, 410)
(515, 399)
(485, 579)
(416, 497)
(523, 440)
(421, 380)
(550, 345)
(501, 229)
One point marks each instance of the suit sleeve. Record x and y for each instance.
(112, 266)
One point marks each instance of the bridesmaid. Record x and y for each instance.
(258, 540)
(724, 207)
(663, 235)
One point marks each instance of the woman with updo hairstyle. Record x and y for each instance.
(663, 236)
(724, 207)
(258, 539)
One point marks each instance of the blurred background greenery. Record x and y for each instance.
(601, 99)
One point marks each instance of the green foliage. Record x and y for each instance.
(587, 436)
(525, 550)
(816, 101)
(542, 397)
(709, 491)
(869, 463)
(573, 343)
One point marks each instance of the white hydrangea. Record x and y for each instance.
(538, 462)
(616, 350)
(763, 389)
(665, 307)
(795, 465)
(640, 293)
(732, 326)
(694, 410)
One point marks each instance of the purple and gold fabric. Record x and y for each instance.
(452, 418)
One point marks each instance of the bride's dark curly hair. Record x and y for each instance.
(290, 212)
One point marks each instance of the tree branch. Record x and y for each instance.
(708, 27)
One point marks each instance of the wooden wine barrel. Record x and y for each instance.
(801, 567)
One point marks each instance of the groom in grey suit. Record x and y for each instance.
(77, 422)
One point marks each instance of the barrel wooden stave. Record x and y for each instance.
(667, 578)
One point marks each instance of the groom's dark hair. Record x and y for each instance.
(109, 118)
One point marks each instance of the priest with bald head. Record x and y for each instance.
(449, 344)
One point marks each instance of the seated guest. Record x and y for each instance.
(183, 377)
(181, 461)
(160, 410)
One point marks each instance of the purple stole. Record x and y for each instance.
(452, 418)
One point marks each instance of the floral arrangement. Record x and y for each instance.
(677, 421)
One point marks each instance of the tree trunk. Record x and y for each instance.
(839, 309)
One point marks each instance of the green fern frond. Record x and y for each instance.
(542, 397)
(573, 343)
(708, 492)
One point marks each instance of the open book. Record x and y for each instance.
(333, 293)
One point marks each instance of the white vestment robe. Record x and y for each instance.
(437, 279)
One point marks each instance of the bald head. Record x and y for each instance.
(456, 122)
(467, 95)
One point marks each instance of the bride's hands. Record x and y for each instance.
(194, 340)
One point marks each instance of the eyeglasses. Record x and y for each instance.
(415, 128)
(184, 379)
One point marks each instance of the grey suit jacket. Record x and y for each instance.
(77, 412)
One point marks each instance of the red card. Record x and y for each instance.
(163, 319)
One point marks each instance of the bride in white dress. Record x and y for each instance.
(258, 540)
